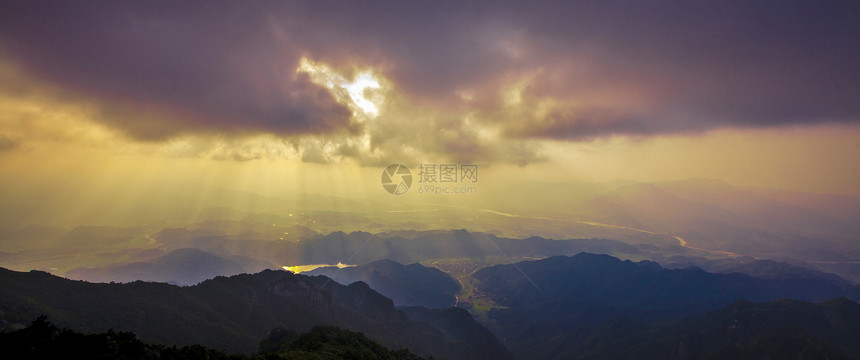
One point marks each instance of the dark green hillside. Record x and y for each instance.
(406, 285)
(44, 340)
(598, 304)
(232, 314)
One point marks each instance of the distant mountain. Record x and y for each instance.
(251, 265)
(646, 217)
(182, 267)
(362, 247)
(763, 269)
(547, 298)
(406, 285)
(711, 216)
(603, 278)
(231, 313)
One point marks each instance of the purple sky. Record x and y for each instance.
(630, 67)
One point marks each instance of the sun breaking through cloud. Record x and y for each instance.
(336, 82)
(361, 97)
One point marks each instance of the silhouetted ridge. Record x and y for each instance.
(406, 285)
(546, 299)
(458, 326)
(185, 266)
(44, 340)
(232, 313)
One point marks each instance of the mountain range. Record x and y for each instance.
(231, 313)
(584, 306)
(540, 302)
(181, 267)
(406, 285)
(691, 218)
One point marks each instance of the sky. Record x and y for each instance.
(319, 96)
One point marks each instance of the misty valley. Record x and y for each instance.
(651, 285)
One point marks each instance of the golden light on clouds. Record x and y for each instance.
(59, 136)
(359, 91)
(64, 155)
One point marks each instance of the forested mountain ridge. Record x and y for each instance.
(230, 313)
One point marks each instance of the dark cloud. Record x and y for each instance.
(629, 67)
(581, 125)
(184, 66)
(8, 143)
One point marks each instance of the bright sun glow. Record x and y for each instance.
(356, 89)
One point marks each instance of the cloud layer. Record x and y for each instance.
(470, 80)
